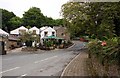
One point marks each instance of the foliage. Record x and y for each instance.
(6, 16)
(100, 20)
(33, 17)
(48, 43)
(53, 22)
(74, 18)
(58, 22)
(28, 43)
(28, 37)
(15, 22)
(106, 54)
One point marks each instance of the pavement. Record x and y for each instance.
(77, 67)
(15, 50)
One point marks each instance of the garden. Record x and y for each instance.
(53, 43)
(32, 42)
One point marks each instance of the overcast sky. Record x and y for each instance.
(50, 8)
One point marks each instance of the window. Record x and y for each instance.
(21, 32)
(34, 31)
(62, 34)
(53, 33)
(45, 33)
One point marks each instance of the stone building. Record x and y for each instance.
(62, 32)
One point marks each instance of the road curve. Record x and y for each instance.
(45, 63)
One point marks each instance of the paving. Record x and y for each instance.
(77, 67)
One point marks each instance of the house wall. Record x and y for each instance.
(49, 30)
(13, 43)
(5, 40)
(34, 31)
(63, 33)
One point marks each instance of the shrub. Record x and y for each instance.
(48, 43)
(107, 52)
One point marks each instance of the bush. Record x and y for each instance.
(107, 52)
(48, 43)
(28, 43)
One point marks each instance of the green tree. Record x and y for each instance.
(6, 16)
(75, 17)
(33, 17)
(49, 21)
(93, 19)
(58, 22)
(15, 22)
(28, 38)
(53, 22)
(103, 17)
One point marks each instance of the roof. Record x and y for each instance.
(46, 28)
(12, 37)
(49, 28)
(34, 28)
(43, 28)
(16, 31)
(59, 27)
(56, 27)
(2, 32)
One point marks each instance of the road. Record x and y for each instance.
(41, 63)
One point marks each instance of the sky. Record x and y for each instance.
(50, 8)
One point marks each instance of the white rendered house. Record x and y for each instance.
(34, 30)
(2, 32)
(19, 30)
(45, 32)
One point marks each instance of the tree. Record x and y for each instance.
(33, 17)
(75, 17)
(58, 21)
(28, 38)
(49, 21)
(53, 22)
(15, 22)
(6, 16)
(93, 19)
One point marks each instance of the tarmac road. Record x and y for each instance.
(41, 63)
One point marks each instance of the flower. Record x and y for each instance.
(103, 43)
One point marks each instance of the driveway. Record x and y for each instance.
(40, 63)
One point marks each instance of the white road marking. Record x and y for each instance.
(9, 70)
(24, 75)
(45, 59)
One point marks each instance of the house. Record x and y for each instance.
(45, 32)
(3, 40)
(34, 30)
(62, 32)
(14, 40)
(2, 32)
(19, 31)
